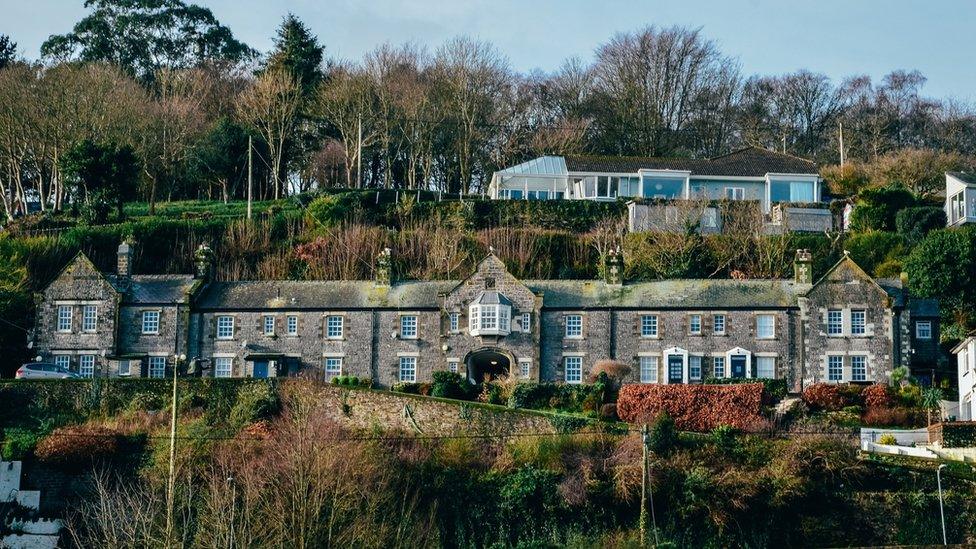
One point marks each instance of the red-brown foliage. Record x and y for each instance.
(893, 417)
(831, 397)
(693, 407)
(616, 370)
(877, 396)
(78, 446)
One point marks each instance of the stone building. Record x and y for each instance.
(843, 327)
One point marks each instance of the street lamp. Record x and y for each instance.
(938, 480)
(180, 359)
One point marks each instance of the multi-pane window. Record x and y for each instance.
(574, 326)
(694, 367)
(835, 368)
(859, 368)
(648, 369)
(525, 368)
(765, 326)
(455, 322)
(694, 324)
(835, 322)
(452, 366)
(223, 366)
(125, 367)
(718, 366)
(62, 361)
(333, 327)
(923, 329)
(573, 369)
(86, 365)
(225, 327)
(735, 193)
(718, 324)
(408, 327)
(89, 318)
(858, 322)
(333, 367)
(648, 325)
(291, 324)
(64, 318)
(269, 325)
(408, 369)
(157, 366)
(526, 322)
(489, 317)
(150, 322)
(765, 367)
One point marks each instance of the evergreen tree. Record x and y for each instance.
(8, 51)
(297, 51)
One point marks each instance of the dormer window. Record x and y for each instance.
(490, 314)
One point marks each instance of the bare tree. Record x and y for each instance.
(271, 107)
(346, 103)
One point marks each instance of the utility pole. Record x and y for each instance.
(840, 140)
(359, 150)
(646, 496)
(784, 143)
(938, 479)
(250, 175)
(172, 457)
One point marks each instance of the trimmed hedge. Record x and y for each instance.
(832, 397)
(694, 407)
(960, 434)
(776, 389)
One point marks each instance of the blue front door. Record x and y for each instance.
(738, 365)
(260, 368)
(676, 369)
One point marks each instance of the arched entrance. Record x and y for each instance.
(488, 364)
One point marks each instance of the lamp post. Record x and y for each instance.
(938, 480)
(172, 455)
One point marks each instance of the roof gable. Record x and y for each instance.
(80, 279)
(846, 271)
(490, 275)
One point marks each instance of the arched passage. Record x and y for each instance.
(488, 364)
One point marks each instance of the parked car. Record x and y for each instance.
(44, 370)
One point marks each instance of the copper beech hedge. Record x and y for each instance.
(694, 407)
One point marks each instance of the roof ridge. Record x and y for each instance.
(765, 150)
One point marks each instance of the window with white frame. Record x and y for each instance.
(694, 367)
(859, 368)
(765, 367)
(291, 325)
(333, 327)
(269, 325)
(835, 368)
(225, 327)
(62, 361)
(765, 326)
(525, 368)
(64, 318)
(408, 369)
(573, 366)
(648, 369)
(923, 329)
(125, 367)
(455, 321)
(574, 325)
(526, 322)
(835, 322)
(333, 367)
(150, 322)
(157, 366)
(859, 321)
(86, 365)
(452, 366)
(718, 324)
(694, 324)
(408, 327)
(89, 318)
(718, 366)
(490, 319)
(223, 366)
(735, 193)
(648, 325)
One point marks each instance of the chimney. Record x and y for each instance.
(613, 267)
(204, 260)
(124, 265)
(803, 267)
(384, 268)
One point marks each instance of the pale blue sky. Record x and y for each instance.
(836, 37)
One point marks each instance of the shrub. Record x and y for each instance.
(448, 385)
(775, 389)
(556, 396)
(615, 371)
(724, 436)
(406, 387)
(255, 402)
(876, 208)
(693, 407)
(831, 397)
(78, 446)
(19, 443)
(877, 396)
(608, 412)
(664, 434)
(888, 439)
(873, 248)
(959, 435)
(892, 417)
(916, 222)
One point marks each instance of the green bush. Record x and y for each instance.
(876, 208)
(916, 222)
(664, 434)
(873, 248)
(888, 439)
(557, 396)
(449, 385)
(255, 401)
(19, 444)
(725, 437)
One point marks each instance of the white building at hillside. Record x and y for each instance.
(751, 173)
(966, 360)
(960, 205)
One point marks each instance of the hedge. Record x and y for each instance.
(960, 434)
(694, 407)
(776, 389)
(916, 222)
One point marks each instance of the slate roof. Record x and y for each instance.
(924, 308)
(965, 177)
(154, 289)
(747, 162)
(326, 294)
(492, 298)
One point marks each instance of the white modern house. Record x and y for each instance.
(966, 361)
(751, 173)
(960, 205)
